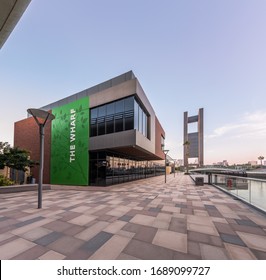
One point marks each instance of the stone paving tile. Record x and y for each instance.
(36, 233)
(153, 220)
(147, 251)
(29, 227)
(49, 238)
(115, 226)
(178, 225)
(82, 220)
(65, 245)
(58, 226)
(239, 253)
(111, 249)
(125, 218)
(123, 256)
(15, 247)
(193, 249)
(143, 220)
(74, 230)
(205, 238)
(209, 252)
(30, 221)
(145, 233)
(224, 228)
(253, 241)
(51, 255)
(248, 229)
(260, 255)
(91, 231)
(233, 239)
(78, 254)
(171, 240)
(33, 253)
(97, 241)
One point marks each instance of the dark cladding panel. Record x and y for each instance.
(192, 119)
(193, 147)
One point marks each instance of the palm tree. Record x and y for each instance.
(261, 158)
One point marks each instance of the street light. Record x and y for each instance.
(165, 153)
(41, 117)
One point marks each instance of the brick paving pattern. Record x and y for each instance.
(145, 219)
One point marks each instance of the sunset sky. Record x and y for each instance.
(186, 54)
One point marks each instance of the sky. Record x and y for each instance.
(187, 54)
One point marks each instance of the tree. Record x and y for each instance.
(15, 158)
(18, 159)
(261, 158)
(4, 148)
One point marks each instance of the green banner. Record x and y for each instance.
(69, 145)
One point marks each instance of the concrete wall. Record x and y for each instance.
(158, 132)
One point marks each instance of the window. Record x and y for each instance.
(136, 115)
(101, 119)
(93, 118)
(119, 109)
(110, 110)
(140, 120)
(162, 142)
(129, 113)
(120, 115)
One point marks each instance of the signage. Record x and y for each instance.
(69, 144)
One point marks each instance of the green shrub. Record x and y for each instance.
(5, 181)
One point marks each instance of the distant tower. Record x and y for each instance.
(194, 147)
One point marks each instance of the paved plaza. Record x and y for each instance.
(145, 219)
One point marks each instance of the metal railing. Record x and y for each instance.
(250, 190)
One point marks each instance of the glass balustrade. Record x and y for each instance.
(250, 190)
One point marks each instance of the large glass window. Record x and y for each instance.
(101, 119)
(93, 130)
(108, 169)
(120, 115)
(162, 142)
(140, 120)
(136, 115)
(110, 110)
(129, 113)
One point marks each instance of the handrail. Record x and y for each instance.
(232, 176)
(250, 190)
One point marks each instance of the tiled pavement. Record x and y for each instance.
(145, 219)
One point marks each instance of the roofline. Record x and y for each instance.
(92, 90)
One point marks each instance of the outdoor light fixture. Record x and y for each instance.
(41, 117)
(165, 153)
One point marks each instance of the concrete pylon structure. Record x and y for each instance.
(193, 142)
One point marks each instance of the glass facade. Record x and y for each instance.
(120, 115)
(108, 168)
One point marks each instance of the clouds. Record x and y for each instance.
(250, 124)
(239, 141)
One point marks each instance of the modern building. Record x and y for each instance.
(103, 135)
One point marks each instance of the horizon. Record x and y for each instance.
(197, 55)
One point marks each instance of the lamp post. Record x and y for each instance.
(41, 117)
(165, 153)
